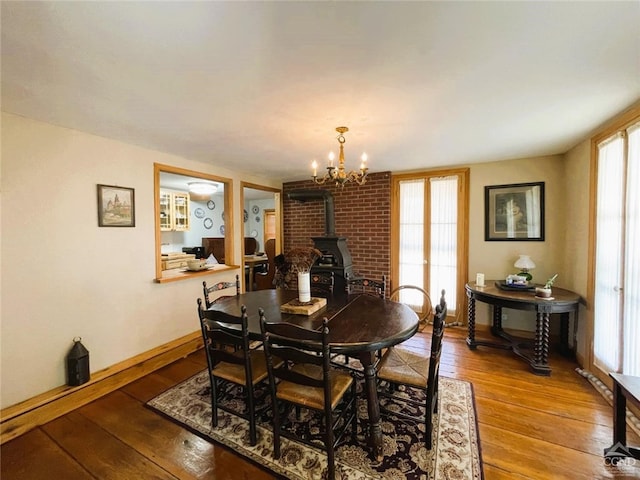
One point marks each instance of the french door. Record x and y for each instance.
(616, 253)
(429, 245)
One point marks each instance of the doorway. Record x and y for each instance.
(263, 214)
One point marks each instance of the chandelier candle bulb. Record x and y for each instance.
(339, 174)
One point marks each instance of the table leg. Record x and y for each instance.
(250, 281)
(564, 334)
(368, 361)
(576, 313)
(471, 321)
(496, 328)
(540, 363)
(619, 416)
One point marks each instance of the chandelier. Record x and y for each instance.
(339, 174)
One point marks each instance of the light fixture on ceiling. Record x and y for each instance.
(524, 263)
(202, 188)
(339, 174)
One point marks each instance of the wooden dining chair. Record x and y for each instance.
(322, 282)
(417, 299)
(264, 280)
(365, 285)
(306, 381)
(217, 288)
(231, 361)
(401, 367)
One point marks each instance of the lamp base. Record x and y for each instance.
(526, 275)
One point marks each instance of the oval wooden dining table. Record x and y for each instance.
(359, 325)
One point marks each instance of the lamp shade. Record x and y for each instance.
(524, 261)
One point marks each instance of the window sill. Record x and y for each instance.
(177, 274)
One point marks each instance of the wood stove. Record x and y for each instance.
(336, 257)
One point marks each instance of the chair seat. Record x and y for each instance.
(235, 372)
(405, 367)
(312, 397)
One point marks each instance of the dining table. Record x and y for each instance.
(252, 261)
(359, 326)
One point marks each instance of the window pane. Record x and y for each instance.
(631, 293)
(444, 240)
(608, 274)
(411, 271)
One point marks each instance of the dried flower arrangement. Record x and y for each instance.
(301, 259)
(283, 277)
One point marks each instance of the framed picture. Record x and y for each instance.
(514, 212)
(116, 206)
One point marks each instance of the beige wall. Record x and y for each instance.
(564, 250)
(496, 259)
(576, 236)
(63, 276)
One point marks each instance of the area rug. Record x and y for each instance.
(455, 454)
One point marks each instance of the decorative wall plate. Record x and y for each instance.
(208, 223)
(245, 216)
(222, 215)
(254, 233)
(199, 212)
(211, 205)
(257, 219)
(255, 209)
(221, 229)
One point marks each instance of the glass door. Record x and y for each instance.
(616, 263)
(429, 245)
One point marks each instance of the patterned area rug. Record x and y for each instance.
(455, 455)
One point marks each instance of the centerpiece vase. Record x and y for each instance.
(304, 287)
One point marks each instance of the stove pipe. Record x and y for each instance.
(329, 209)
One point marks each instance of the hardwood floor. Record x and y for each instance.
(530, 427)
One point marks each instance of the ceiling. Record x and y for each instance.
(261, 86)
(175, 181)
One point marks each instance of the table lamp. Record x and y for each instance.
(524, 263)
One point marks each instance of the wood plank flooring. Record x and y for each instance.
(530, 427)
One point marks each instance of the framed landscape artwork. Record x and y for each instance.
(116, 206)
(514, 212)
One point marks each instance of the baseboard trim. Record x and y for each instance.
(24, 416)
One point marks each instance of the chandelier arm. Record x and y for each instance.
(339, 173)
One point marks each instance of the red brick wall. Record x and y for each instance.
(362, 215)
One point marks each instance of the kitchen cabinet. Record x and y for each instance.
(174, 211)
